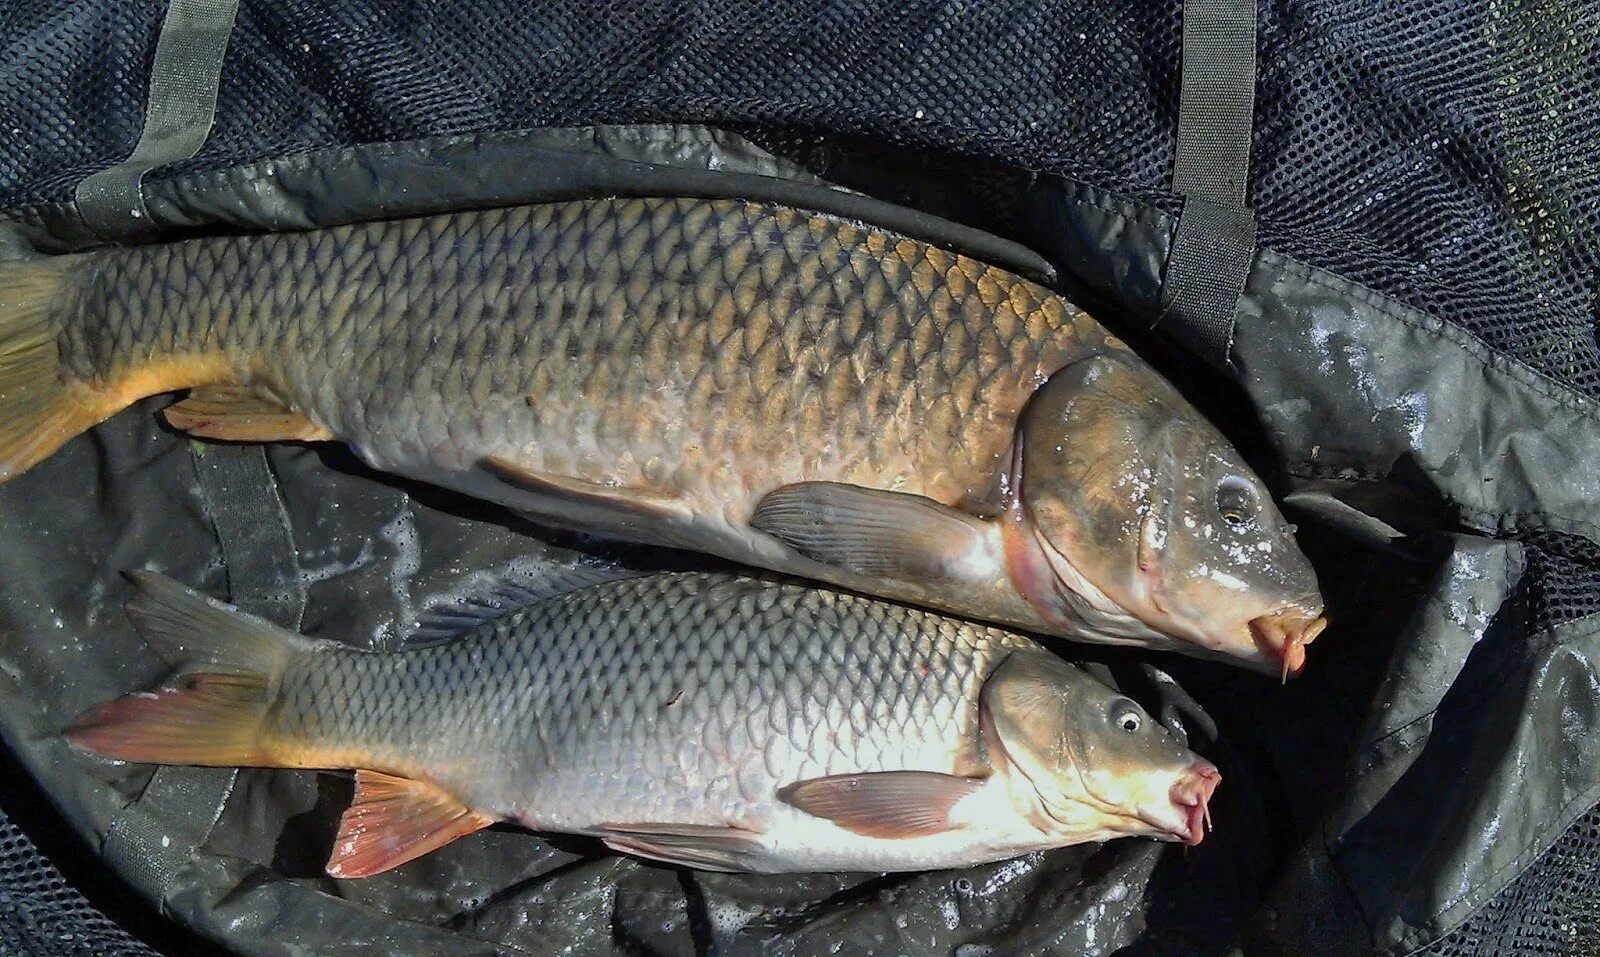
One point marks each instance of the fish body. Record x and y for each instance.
(701, 719)
(781, 388)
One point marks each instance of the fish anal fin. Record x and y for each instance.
(394, 820)
(236, 413)
(873, 532)
(886, 804)
(706, 847)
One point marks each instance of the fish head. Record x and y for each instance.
(1095, 763)
(1140, 510)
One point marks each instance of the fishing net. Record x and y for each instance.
(1444, 154)
(41, 915)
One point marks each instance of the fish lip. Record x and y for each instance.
(1191, 796)
(1282, 636)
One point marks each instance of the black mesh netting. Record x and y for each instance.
(1551, 910)
(1440, 152)
(1563, 577)
(41, 915)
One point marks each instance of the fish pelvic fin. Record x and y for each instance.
(39, 409)
(394, 820)
(704, 847)
(233, 664)
(235, 413)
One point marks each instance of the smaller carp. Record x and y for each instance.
(704, 720)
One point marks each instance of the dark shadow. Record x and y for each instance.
(854, 895)
(303, 847)
(699, 915)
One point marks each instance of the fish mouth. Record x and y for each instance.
(1283, 636)
(1191, 797)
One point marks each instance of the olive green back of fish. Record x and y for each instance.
(568, 331)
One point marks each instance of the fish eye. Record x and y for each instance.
(1125, 715)
(1237, 502)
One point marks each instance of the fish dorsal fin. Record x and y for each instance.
(871, 532)
(497, 592)
(887, 804)
(237, 413)
(393, 820)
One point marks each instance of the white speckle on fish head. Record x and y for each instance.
(1228, 581)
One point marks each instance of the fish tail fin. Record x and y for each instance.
(234, 663)
(38, 413)
(212, 720)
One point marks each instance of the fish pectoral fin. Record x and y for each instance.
(393, 820)
(236, 413)
(870, 531)
(888, 804)
(706, 847)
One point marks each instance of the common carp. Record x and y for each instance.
(782, 388)
(708, 720)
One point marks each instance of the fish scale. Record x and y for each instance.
(777, 329)
(729, 377)
(684, 650)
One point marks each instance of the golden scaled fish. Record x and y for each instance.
(785, 389)
(708, 720)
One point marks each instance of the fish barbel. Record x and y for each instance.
(707, 720)
(782, 388)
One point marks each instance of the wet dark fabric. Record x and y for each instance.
(1415, 361)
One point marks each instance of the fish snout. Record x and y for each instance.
(1191, 795)
(1284, 635)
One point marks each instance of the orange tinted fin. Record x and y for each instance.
(233, 661)
(212, 720)
(39, 411)
(706, 847)
(394, 820)
(889, 804)
(241, 414)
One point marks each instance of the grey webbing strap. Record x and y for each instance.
(153, 837)
(1216, 235)
(179, 111)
